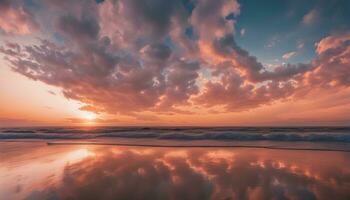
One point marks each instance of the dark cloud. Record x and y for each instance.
(135, 24)
(181, 81)
(86, 28)
(159, 52)
(153, 15)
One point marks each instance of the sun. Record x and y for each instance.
(89, 116)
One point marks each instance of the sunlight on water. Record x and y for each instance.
(78, 155)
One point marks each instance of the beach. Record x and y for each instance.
(61, 169)
(174, 100)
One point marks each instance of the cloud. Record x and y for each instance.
(126, 57)
(214, 15)
(300, 45)
(97, 120)
(51, 92)
(332, 42)
(273, 42)
(236, 90)
(288, 55)
(331, 67)
(9, 122)
(311, 17)
(243, 31)
(83, 29)
(15, 18)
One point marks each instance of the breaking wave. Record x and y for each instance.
(309, 134)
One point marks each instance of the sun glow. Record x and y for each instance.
(89, 116)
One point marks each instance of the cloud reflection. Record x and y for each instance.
(165, 173)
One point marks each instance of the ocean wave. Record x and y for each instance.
(309, 134)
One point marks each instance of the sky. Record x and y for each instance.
(174, 63)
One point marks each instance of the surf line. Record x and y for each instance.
(197, 146)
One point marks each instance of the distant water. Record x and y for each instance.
(306, 134)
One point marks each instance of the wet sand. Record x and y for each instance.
(36, 170)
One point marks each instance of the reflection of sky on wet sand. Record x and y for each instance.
(37, 171)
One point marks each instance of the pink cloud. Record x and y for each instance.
(311, 17)
(288, 55)
(15, 19)
(127, 57)
(332, 42)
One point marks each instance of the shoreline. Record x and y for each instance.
(197, 146)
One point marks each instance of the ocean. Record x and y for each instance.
(306, 134)
(175, 163)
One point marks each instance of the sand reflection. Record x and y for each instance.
(87, 172)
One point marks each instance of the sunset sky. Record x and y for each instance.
(174, 62)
